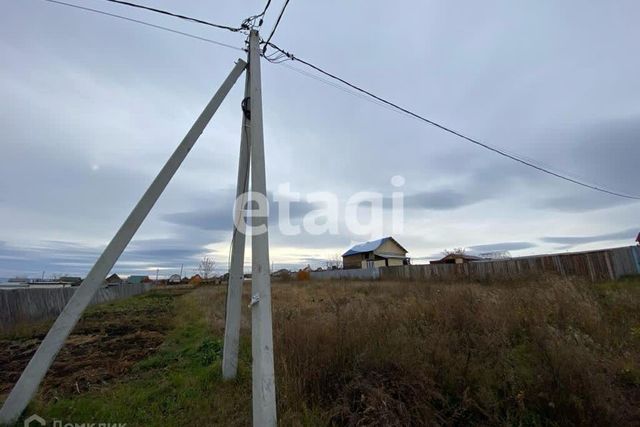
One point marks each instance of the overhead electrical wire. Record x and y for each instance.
(266, 7)
(366, 98)
(148, 24)
(451, 131)
(337, 86)
(177, 15)
(282, 55)
(275, 27)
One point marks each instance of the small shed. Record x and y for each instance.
(457, 258)
(196, 279)
(383, 252)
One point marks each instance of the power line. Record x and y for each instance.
(336, 86)
(396, 107)
(148, 24)
(266, 7)
(449, 130)
(176, 15)
(275, 58)
(250, 20)
(275, 27)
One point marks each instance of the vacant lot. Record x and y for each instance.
(545, 352)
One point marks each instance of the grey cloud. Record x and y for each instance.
(506, 246)
(221, 219)
(57, 257)
(629, 234)
(162, 250)
(582, 202)
(604, 154)
(442, 199)
(216, 220)
(305, 241)
(123, 101)
(608, 153)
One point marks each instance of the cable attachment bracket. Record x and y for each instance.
(254, 300)
(246, 110)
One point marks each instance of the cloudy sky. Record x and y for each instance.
(92, 106)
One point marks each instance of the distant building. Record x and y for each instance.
(457, 258)
(134, 280)
(383, 252)
(195, 279)
(174, 279)
(283, 273)
(114, 279)
(70, 280)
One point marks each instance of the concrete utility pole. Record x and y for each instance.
(236, 266)
(35, 371)
(252, 155)
(264, 387)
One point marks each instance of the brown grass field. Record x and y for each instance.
(544, 352)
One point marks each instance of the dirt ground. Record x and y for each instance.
(107, 341)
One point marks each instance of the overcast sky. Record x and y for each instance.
(92, 107)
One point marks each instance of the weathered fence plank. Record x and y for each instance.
(33, 305)
(606, 264)
(358, 274)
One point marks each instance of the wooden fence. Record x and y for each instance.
(606, 264)
(355, 274)
(32, 305)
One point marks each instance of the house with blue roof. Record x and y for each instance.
(383, 252)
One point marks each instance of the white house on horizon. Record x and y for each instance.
(383, 252)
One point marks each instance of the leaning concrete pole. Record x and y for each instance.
(35, 371)
(264, 387)
(236, 267)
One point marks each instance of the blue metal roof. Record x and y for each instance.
(365, 247)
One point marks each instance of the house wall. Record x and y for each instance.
(352, 261)
(390, 247)
(377, 263)
(395, 262)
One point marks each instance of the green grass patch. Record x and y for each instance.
(178, 385)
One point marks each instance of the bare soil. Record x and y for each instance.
(105, 344)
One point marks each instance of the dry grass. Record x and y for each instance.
(549, 352)
(531, 353)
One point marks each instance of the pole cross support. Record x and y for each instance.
(30, 379)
